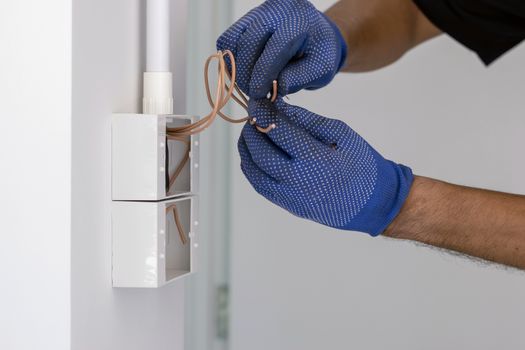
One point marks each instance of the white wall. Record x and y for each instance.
(297, 285)
(108, 59)
(35, 76)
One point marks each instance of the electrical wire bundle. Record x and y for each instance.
(226, 89)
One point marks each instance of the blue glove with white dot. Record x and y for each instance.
(320, 169)
(285, 40)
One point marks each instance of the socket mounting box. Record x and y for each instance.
(143, 159)
(148, 250)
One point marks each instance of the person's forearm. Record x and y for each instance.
(481, 223)
(378, 32)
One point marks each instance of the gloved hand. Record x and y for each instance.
(320, 169)
(285, 40)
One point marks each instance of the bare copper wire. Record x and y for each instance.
(274, 94)
(267, 129)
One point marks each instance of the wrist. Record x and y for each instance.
(420, 211)
(341, 39)
(342, 29)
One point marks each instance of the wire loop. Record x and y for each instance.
(226, 89)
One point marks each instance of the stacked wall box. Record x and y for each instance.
(146, 246)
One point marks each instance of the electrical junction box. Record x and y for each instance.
(155, 179)
(143, 159)
(150, 249)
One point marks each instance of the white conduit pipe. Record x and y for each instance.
(158, 95)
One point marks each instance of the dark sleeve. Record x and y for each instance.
(488, 27)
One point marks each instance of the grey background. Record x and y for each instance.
(299, 285)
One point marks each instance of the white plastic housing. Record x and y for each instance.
(139, 157)
(147, 249)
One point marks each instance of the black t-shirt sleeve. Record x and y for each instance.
(488, 27)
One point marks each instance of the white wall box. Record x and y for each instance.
(141, 154)
(149, 248)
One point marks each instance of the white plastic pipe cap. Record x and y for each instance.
(158, 95)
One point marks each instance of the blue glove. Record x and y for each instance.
(285, 40)
(320, 169)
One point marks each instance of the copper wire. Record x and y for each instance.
(182, 163)
(226, 89)
(267, 129)
(274, 94)
(173, 208)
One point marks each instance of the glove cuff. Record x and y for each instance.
(404, 177)
(390, 193)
